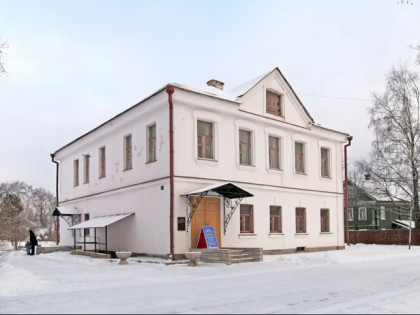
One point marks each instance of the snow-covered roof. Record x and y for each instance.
(404, 223)
(100, 222)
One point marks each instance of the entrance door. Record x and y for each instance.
(207, 214)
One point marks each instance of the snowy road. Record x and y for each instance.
(359, 279)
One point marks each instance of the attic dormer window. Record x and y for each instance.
(274, 103)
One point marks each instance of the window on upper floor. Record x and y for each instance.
(205, 144)
(325, 162)
(86, 168)
(273, 103)
(300, 220)
(247, 219)
(274, 152)
(362, 213)
(151, 143)
(275, 219)
(102, 162)
(128, 153)
(245, 147)
(325, 220)
(76, 172)
(300, 157)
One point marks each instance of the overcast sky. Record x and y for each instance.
(72, 65)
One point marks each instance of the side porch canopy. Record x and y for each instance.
(70, 214)
(98, 222)
(232, 197)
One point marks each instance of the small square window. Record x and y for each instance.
(273, 103)
(181, 223)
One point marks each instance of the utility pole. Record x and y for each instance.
(411, 217)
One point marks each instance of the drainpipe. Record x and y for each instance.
(346, 189)
(56, 194)
(170, 90)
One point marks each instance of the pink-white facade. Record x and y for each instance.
(145, 189)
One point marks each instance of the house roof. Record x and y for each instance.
(232, 95)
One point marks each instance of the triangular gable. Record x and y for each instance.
(252, 96)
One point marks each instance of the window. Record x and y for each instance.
(383, 216)
(247, 219)
(351, 214)
(76, 173)
(273, 101)
(325, 220)
(181, 223)
(245, 147)
(205, 140)
(86, 169)
(299, 157)
(275, 219)
(128, 161)
(151, 143)
(300, 220)
(362, 213)
(274, 156)
(86, 231)
(325, 163)
(102, 162)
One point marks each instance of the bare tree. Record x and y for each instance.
(15, 224)
(3, 46)
(395, 157)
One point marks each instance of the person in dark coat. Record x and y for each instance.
(34, 242)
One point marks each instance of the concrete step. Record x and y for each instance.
(241, 260)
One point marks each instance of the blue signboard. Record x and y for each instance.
(207, 238)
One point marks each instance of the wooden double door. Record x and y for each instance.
(207, 214)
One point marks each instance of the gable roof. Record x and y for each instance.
(244, 88)
(232, 95)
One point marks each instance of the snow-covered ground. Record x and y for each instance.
(359, 279)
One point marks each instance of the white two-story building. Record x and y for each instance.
(249, 161)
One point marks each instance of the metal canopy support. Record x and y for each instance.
(230, 205)
(193, 206)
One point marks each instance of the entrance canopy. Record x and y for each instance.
(60, 211)
(100, 222)
(227, 190)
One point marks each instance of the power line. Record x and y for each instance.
(338, 97)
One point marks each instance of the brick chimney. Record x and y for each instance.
(216, 84)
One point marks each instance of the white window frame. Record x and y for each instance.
(76, 172)
(215, 120)
(274, 132)
(148, 144)
(250, 127)
(126, 168)
(351, 214)
(383, 213)
(302, 139)
(362, 215)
